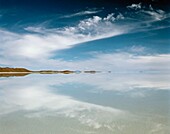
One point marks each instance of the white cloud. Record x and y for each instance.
(148, 14)
(156, 15)
(135, 6)
(88, 12)
(34, 29)
(125, 60)
(37, 46)
(119, 62)
(35, 49)
(110, 17)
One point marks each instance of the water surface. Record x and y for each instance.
(103, 103)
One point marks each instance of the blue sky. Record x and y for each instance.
(100, 35)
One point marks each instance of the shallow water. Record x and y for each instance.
(103, 103)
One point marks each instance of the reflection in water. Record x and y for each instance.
(84, 103)
(13, 74)
(10, 72)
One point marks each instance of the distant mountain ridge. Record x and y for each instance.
(7, 69)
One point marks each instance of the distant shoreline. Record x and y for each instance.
(6, 71)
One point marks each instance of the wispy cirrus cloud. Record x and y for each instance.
(40, 44)
(157, 15)
(81, 13)
(46, 41)
(148, 13)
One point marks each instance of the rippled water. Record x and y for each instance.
(100, 103)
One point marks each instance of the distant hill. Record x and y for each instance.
(7, 69)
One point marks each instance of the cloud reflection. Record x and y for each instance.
(40, 97)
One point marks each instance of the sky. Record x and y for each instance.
(103, 35)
